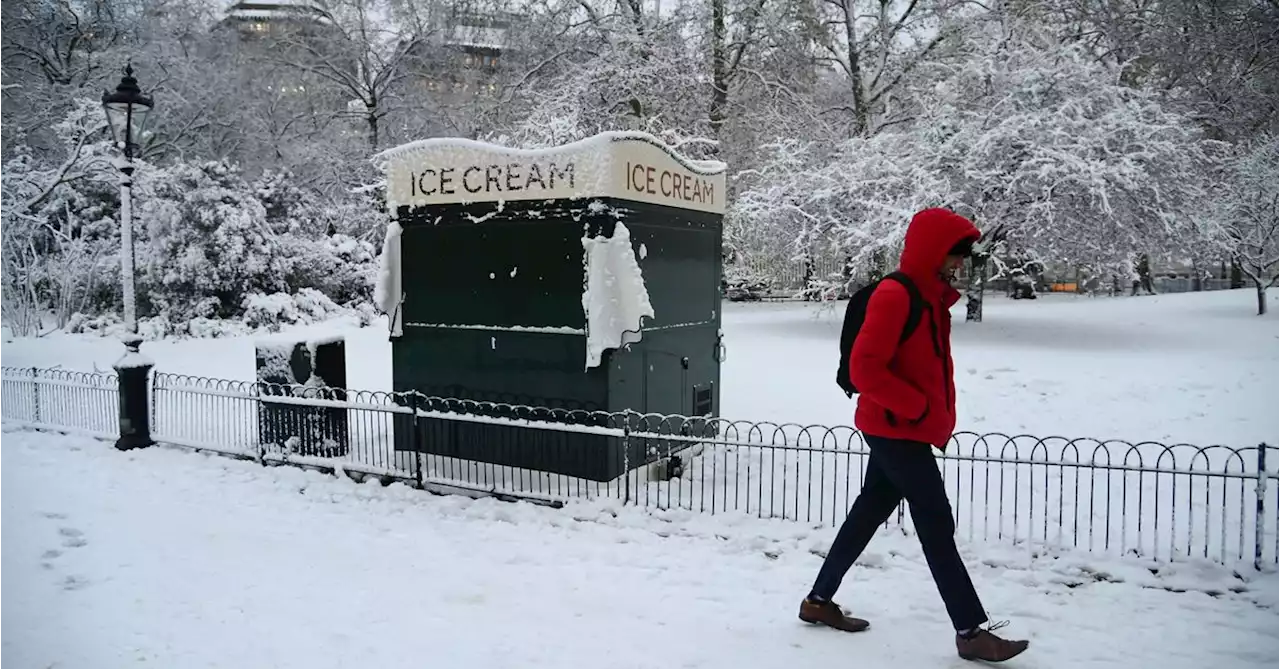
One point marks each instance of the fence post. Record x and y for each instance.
(154, 401)
(35, 392)
(626, 458)
(414, 439)
(1260, 513)
(135, 411)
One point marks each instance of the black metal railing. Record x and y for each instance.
(1145, 499)
(84, 402)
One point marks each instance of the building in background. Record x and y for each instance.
(257, 20)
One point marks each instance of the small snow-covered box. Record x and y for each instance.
(291, 369)
(580, 277)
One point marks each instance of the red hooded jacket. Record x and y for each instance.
(907, 391)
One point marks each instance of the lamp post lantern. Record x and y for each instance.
(127, 111)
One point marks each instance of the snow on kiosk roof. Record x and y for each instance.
(623, 165)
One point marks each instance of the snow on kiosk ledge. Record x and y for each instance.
(614, 299)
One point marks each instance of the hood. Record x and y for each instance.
(930, 235)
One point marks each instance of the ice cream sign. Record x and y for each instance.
(672, 184)
(629, 166)
(539, 178)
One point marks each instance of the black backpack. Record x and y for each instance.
(856, 313)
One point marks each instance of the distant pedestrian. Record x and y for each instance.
(906, 406)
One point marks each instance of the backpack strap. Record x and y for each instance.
(917, 304)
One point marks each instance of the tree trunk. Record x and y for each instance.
(1262, 297)
(808, 277)
(1237, 276)
(1144, 276)
(879, 261)
(371, 117)
(855, 68)
(973, 293)
(719, 68)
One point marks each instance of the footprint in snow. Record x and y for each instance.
(74, 583)
(73, 538)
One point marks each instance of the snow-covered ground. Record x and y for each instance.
(166, 558)
(1194, 368)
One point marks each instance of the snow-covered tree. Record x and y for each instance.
(361, 50)
(59, 223)
(1215, 59)
(1038, 136)
(1079, 125)
(852, 200)
(877, 48)
(617, 71)
(65, 42)
(1025, 132)
(1245, 216)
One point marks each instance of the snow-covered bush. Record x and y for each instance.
(218, 248)
(339, 266)
(206, 243)
(306, 306)
(109, 324)
(209, 248)
(286, 205)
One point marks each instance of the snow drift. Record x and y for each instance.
(389, 291)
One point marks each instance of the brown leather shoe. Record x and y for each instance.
(988, 647)
(830, 614)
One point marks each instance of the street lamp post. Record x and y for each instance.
(127, 111)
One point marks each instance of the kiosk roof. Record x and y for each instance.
(623, 165)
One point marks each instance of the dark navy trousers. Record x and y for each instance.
(898, 470)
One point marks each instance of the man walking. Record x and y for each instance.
(907, 406)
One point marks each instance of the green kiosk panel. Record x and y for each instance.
(577, 279)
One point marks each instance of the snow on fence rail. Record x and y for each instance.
(1147, 499)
